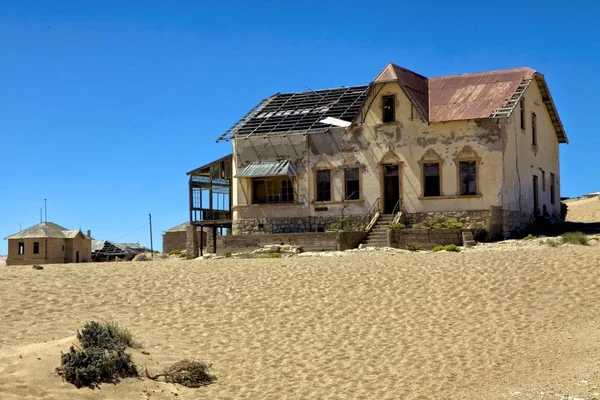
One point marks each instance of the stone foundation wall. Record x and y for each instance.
(425, 238)
(349, 239)
(514, 222)
(177, 240)
(312, 241)
(290, 225)
(469, 219)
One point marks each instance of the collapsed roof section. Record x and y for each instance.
(299, 112)
(104, 250)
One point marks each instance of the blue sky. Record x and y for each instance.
(104, 105)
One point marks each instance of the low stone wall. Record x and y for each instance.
(311, 241)
(290, 225)
(425, 238)
(177, 240)
(515, 222)
(349, 239)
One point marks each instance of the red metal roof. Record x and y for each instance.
(472, 96)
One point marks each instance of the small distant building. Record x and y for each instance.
(48, 243)
(175, 238)
(105, 250)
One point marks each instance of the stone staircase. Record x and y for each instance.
(377, 237)
(468, 240)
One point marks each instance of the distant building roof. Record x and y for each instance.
(268, 168)
(47, 230)
(491, 94)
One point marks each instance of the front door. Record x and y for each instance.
(76, 256)
(391, 188)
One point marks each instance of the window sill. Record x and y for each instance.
(475, 196)
(336, 202)
(295, 204)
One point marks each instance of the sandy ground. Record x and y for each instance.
(520, 324)
(2, 261)
(584, 210)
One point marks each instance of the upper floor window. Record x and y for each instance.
(324, 185)
(533, 129)
(543, 181)
(351, 184)
(272, 190)
(36, 247)
(389, 109)
(467, 171)
(522, 112)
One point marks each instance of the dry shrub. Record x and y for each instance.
(140, 257)
(192, 374)
(574, 238)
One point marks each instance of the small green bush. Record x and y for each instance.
(123, 333)
(227, 254)
(271, 255)
(448, 247)
(175, 253)
(575, 238)
(413, 247)
(102, 357)
(397, 225)
(551, 242)
(450, 223)
(529, 237)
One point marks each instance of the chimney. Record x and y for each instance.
(89, 233)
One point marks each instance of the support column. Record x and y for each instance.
(191, 242)
(211, 239)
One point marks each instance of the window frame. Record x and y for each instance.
(522, 112)
(273, 186)
(36, 247)
(534, 141)
(424, 179)
(393, 109)
(474, 161)
(317, 189)
(358, 179)
(21, 248)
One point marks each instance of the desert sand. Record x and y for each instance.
(522, 324)
(584, 210)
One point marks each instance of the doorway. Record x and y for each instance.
(76, 256)
(391, 187)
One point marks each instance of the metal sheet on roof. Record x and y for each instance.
(268, 168)
(299, 112)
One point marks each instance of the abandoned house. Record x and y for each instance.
(480, 147)
(48, 243)
(105, 250)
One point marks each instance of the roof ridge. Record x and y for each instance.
(483, 72)
(409, 70)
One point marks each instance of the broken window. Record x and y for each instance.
(431, 175)
(351, 184)
(533, 129)
(468, 178)
(324, 185)
(543, 181)
(522, 108)
(36, 247)
(389, 109)
(552, 189)
(21, 248)
(272, 190)
(536, 201)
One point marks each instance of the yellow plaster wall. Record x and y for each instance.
(55, 253)
(522, 160)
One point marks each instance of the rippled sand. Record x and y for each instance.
(521, 324)
(584, 210)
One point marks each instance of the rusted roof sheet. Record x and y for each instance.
(268, 168)
(414, 86)
(473, 96)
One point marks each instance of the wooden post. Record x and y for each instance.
(151, 247)
(214, 235)
(201, 239)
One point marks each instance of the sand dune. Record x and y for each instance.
(384, 325)
(584, 210)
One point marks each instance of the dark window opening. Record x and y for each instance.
(21, 248)
(324, 185)
(468, 178)
(533, 129)
(536, 205)
(36, 247)
(389, 109)
(552, 189)
(522, 109)
(272, 190)
(431, 173)
(543, 181)
(352, 184)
